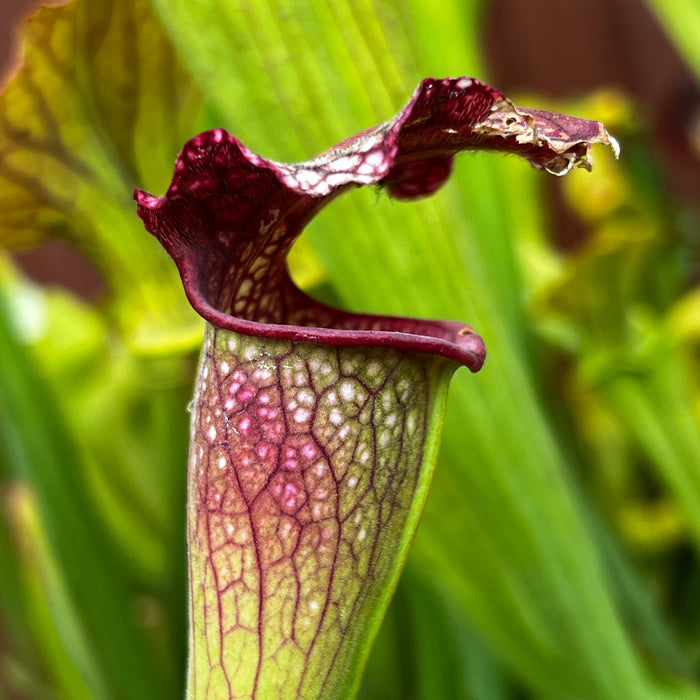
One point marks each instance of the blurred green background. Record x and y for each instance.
(558, 554)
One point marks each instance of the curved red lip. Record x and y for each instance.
(230, 217)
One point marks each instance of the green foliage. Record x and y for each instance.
(682, 21)
(557, 556)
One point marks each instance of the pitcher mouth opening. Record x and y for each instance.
(230, 216)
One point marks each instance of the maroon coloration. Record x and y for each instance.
(230, 216)
(305, 463)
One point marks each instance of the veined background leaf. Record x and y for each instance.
(100, 105)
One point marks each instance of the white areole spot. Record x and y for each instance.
(205, 372)
(369, 142)
(350, 367)
(335, 417)
(225, 368)
(391, 420)
(313, 605)
(411, 423)
(305, 397)
(262, 374)
(376, 159)
(361, 535)
(251, 352)
(373, 368)
(301, 415)
(367, 169)
(344, 163)
(211, 433)
(352, 482)
(222, 462)
(308, 178)
(464, 83)
(233, 344)
(347, 391)
(309, 450)
(230, 528)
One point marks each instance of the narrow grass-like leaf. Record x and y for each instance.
(657, 408)
(42, 452)
(20, 648)
(682, 21)
(427, 649)
(49, 616)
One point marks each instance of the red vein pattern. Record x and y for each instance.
(230, 216)
(314, 429)
(304, 464)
